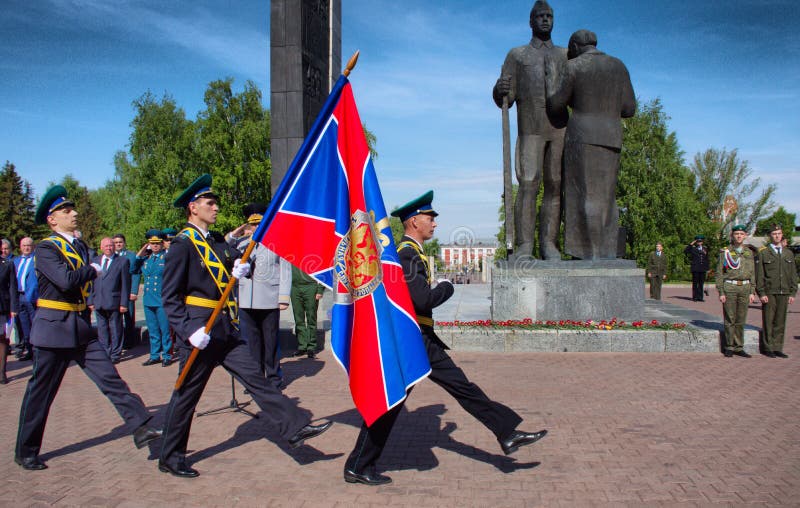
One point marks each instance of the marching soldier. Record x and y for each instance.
(418, 223)
(735, 279)
(61, 333)
(776, 285)
(199, 265)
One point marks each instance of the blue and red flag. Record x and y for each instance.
(328, 219)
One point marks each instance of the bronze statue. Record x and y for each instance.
(540, 135)
(598, 89)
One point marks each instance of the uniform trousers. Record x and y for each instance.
(49, 366)
(234, 356)
(698, 278)
(655, 287)
(498, 418)
(24, 320)
(304, 308)
(158, 329)
(109, 331)
(259, 328)
(774, 322)
(734, 313)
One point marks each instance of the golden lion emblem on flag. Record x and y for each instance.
(358, 256)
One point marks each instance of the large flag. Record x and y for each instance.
(328, 219)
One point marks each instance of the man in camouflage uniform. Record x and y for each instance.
(735, 281)
(776, 285)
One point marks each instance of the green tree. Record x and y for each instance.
(16, 217)
(724, 186)
(233, 134)
(655, 192)
(782, 217)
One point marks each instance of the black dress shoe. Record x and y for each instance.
(308, 432)
(769, 354)
(25, 357)
(517, 439)
(181, 470)
(30, 463)
(144, 435)
(299, 352)
(373, 478)
(151, 361)
(728, 354)
(311, 355)
(780, 354)
(743, 354)
(167, 363)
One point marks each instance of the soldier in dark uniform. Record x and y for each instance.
(700, 264)
(657, 271)
(61, 333)
(197, 270)
(9, 306)
(735, 279)
(776, 285)
(418, 223)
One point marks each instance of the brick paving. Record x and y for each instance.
(625, 429)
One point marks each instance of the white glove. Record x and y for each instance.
(200, 338)
(97, 268)
(240, 270)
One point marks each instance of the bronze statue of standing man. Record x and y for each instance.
(540, 137)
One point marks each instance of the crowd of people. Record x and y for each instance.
(744, 275)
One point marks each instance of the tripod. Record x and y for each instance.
(234, 406)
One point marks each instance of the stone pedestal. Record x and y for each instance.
(576, 290)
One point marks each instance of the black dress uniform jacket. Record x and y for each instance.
(9, 295)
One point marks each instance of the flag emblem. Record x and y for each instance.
(358, 257)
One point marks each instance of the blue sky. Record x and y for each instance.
(726, 72)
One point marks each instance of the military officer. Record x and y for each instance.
(61, 333)
(418, 224)
(657, 271)
(735, 279)
(169, 235)
(306, 294)
(700, 265)
(776, 285)
(149, 263)
(199, 266)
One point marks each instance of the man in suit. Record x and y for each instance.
(61, 333)
(199, 265)
(776, 285)
(598, 88)
(657, 271)
(109, 298)
(6, 249)
(28, 290)
(9, 306)
(129, 316)
(540, 137)
(418, 225)
(699, 266)
(262, 296)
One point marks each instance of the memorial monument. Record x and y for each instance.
(305, 62)
(594, 285)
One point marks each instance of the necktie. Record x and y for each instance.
(105, 263)
(22, 270)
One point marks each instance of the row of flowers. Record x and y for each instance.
(564, 324)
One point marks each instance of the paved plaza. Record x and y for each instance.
(625, 429)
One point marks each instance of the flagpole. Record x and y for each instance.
(246, 256)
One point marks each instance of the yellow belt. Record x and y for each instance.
(424, 320)
(54, 304)
(197, 301)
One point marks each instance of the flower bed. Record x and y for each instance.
(564, 324)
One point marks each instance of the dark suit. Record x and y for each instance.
(598, 89)
(8, 290)
(185, 275)
(699, 267)
(24, 266)
(129, 318)
(111, 291)
(59, 337)
(500, 419)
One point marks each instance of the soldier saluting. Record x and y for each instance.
(735, 279)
